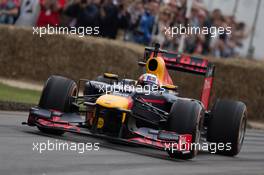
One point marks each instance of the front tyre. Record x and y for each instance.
(186, 117)
(227, 125)
(57, 95)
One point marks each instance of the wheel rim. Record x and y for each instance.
(197, 134)
(73, 91)
(242, 130)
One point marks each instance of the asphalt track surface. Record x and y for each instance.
(17, 155)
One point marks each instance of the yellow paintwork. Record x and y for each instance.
(110, 75)
(123, 117)
(113, 101)
(169, 86)
(100, 122)
(159, 72)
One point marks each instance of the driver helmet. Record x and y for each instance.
(148, 79)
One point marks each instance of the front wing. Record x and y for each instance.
(72, 122)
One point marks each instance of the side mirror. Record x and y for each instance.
(129, 82)
(170, 87)
(111, 76)
(141, 63)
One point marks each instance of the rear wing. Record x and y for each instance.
(180, 62)
(185, 63)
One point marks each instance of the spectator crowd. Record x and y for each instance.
(139, 21)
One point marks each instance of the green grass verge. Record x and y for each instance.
(13, 94)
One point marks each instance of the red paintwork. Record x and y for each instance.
(52, 123)
(205, 97)
(153, 101)
(164, 144)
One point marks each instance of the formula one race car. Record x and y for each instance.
(147, 112)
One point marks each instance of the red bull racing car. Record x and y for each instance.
(148, 111)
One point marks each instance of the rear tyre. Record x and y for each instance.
(56, 95)
(186, 117)
(228, 126)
